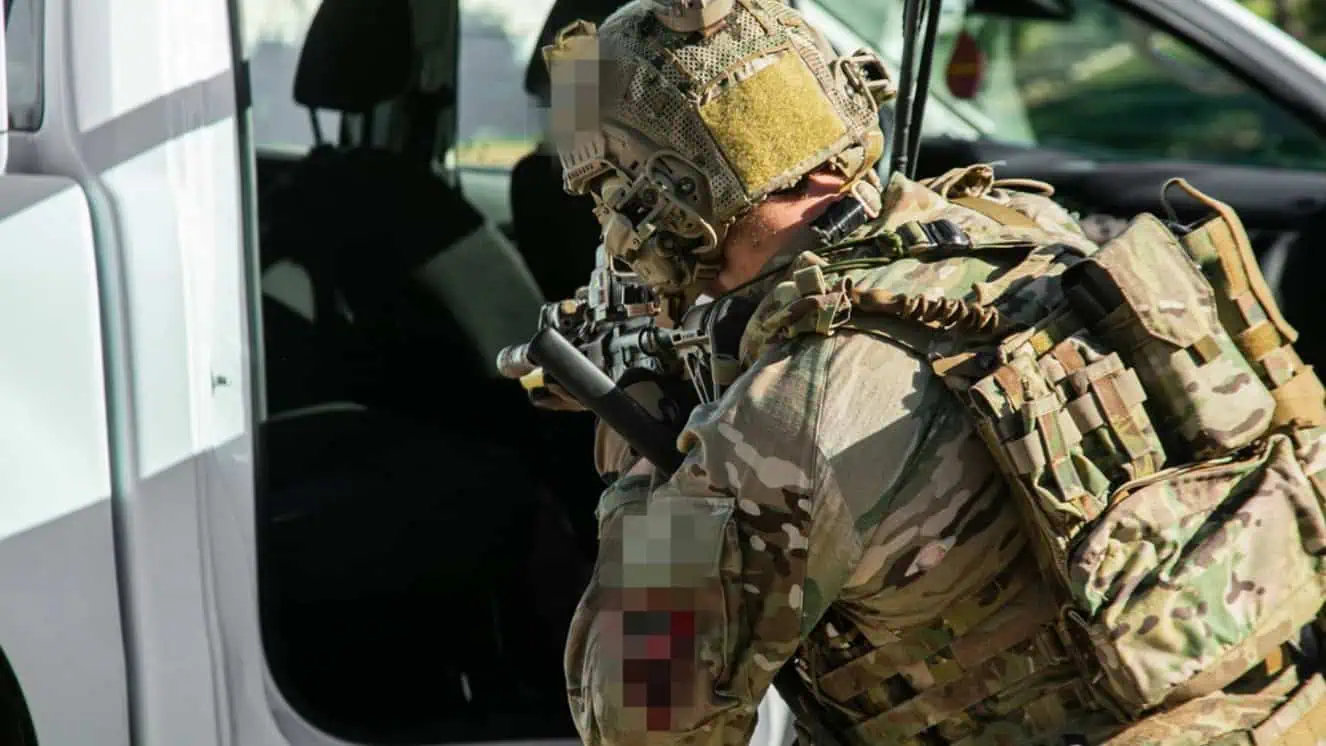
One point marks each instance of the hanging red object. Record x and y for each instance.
(966, 68)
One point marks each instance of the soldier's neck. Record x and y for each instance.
(772, 232)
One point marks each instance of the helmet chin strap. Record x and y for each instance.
(701, 274)
(857, 167)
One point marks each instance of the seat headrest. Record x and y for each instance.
(357, 54)
(563, 12)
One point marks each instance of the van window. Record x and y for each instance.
(1111, 84)
(274, 34)
(23, 28)
(1105, 83)
(499, 122)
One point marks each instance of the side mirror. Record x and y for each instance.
(1039, 10)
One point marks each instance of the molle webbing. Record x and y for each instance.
(1221, 247)
(939, 645)
(824, 311)
(1301, 720)
(997, 646)
(1016, 660)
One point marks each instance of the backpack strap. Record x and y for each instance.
(808, 305)
(1221, 247)
(1002, 214)
(967, 186)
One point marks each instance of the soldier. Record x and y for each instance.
(835, 512)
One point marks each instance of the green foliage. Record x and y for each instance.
(1307, 19)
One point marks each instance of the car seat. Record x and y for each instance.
(396, 506)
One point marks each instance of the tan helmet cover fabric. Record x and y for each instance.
(746, 107)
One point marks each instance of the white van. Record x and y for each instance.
(258, 482)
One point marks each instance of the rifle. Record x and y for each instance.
(614, 323)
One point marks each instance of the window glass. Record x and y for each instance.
(274, 32)
(1109, 83)
(23, 63)
(851, 24)
(1103, 83)
(868, 19)
(499, 123)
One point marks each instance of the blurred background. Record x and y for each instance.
(1304, 19)
(1024, 88)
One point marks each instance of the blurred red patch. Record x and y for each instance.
(966, 68)
(658, 648)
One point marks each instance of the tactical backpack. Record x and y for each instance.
(1165, 443)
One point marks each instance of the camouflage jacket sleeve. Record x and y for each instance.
(704, 585)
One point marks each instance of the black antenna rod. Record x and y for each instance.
(923, 84)
(902, 130)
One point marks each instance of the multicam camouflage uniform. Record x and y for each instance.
(836, 511)
(837, 501)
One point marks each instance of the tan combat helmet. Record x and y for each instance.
(678, 116)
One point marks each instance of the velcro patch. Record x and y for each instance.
(773, 121)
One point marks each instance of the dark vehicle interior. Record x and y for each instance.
(424, 533)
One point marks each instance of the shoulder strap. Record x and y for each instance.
(1001, 214)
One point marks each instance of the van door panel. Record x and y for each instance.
(61, 626)
(177, 202)
(140, 111)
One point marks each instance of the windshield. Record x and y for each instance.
(1101, 82)
(942, 117)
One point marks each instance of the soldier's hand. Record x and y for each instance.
(668, 400)
(548, 395)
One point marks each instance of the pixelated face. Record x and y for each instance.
(582, 82)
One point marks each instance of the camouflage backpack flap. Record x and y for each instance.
(1177, 581)
(1194, 576)
(1172, 582)
(1220, 246)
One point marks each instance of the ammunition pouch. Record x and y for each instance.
(1146, 297)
